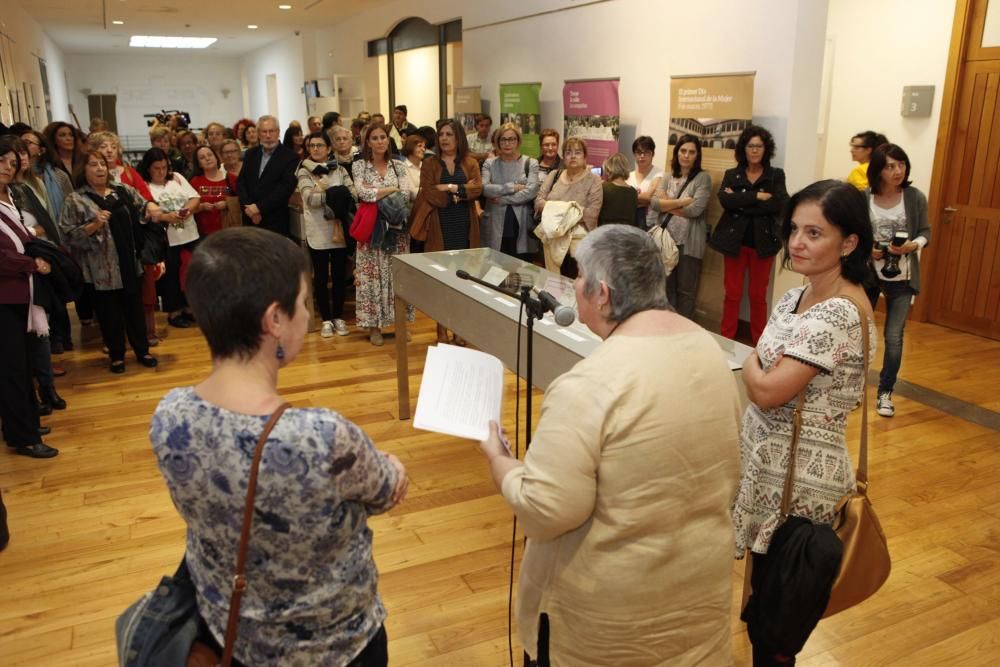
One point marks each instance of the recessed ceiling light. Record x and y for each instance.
(252, 26)
(118, 22)
(284, 6)
(160, 42)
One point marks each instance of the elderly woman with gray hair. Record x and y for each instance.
(624, 495)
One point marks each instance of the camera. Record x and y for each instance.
(164, 116)
(890, 269)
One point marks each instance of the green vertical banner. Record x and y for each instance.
(519, 105)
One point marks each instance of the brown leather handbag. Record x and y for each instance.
(866, 563)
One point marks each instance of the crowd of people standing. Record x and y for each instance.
(133, 234)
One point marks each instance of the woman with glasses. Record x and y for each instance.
(322, 181)
(232, 157)
(56, 185)
(752, 195)
(898, 214)
(573, 181)
(862, 145)
(645, 179)
(510, 184)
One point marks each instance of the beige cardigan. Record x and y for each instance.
(624, 498)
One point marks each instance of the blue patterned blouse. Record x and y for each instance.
(312, 597)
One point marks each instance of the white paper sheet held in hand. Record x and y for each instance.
(460, 392)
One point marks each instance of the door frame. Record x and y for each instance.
(967, 26)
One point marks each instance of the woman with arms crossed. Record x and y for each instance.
(682, 198)
(813, 343)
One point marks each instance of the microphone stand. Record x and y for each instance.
(535, 311)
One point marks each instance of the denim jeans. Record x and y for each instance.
(898, 296)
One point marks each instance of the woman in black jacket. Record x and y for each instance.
(752, 195)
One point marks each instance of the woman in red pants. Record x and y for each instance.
(752, 195)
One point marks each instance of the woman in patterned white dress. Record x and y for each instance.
(377, 175)
(813, 342)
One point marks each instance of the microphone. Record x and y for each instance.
(465, 275)
(564, 315)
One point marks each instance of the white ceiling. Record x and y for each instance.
(85, 26)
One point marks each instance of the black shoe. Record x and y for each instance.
(39, 450)
(180, 322)
(190, 318)
(117, 367)
(4, 533)
(44, 408)
(44, 430)
(148, 360)
(56, 346)
(49, 397)
(68, 345)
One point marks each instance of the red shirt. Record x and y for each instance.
(212, 192)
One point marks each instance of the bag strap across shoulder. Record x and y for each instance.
(239, 579)
(670, 215)
(862, 471)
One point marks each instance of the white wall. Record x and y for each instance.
(879, 47)
(147, 81)
(284, 59)
(417, 84)
(30, 43)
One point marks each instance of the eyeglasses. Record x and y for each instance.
(573, 152)
(312, 146)
(31, 142)
(643, 153)
(755, 147)
(508, 140)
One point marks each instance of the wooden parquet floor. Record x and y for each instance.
(94, 528)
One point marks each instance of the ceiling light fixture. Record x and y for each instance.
(160, 42)
(118, 22)
(284, 6)
(252, 26)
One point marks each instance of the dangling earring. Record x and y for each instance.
(280, 352)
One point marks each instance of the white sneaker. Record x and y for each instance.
(884, 405)
(340, 326)
(327, 330)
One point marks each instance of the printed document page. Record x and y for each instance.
(460, 392)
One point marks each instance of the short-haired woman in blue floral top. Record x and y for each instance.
(312, 597)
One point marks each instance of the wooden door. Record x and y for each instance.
(964, 287)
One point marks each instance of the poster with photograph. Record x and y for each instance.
(591, 113)
(714, 108)
(519, 105)
(468, 105)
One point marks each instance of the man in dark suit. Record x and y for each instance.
(267, 180)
